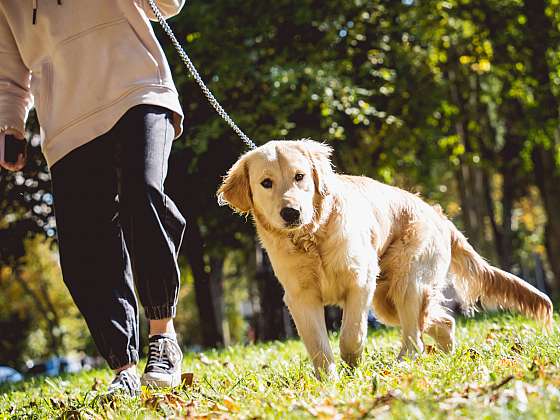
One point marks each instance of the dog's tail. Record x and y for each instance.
(476, 279)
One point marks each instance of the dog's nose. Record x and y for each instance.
(289, 214)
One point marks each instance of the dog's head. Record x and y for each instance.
(282, 181)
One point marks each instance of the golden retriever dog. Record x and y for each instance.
(360, 244)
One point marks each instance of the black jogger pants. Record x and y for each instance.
(113, 218)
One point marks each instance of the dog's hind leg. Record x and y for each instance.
(442, 330)
(309, 316)
(383, 306)
(416, 278)
(353, 332)
(409, 311)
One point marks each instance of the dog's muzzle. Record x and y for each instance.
(290, 215)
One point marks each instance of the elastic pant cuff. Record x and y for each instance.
(116, 361)
(160, 312)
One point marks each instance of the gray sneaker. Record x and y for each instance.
(126, 383)
(163, 368)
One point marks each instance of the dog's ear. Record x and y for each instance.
(235, 189)
(320, 156)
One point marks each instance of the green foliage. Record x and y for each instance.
(504, 367)
(34, 295)
(236, 289)
(412, 93)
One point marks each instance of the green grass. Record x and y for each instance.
(504, 367)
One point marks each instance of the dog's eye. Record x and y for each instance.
(267, 183)
(299, 177)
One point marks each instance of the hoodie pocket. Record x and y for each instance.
(98, 67)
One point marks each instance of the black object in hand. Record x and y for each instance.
(13, 147)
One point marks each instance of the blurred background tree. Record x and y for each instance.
(454, 99)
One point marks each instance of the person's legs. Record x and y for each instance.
(153, 226)
(94, 259)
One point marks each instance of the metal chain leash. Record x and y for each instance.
(194, 73)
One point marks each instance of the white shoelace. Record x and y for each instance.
(125, 381)
(163, 355)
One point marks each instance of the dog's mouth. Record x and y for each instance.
(293, 225)
(291, 217)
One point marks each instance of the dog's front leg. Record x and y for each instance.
(353, 332)
(309, 316)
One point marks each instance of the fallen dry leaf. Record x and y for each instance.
(190, 411)
(97, 384)
(517, 347)
(171, 400)
(72, 415)
(230, 404)
(384, 400)
(187, 378)
(472, 353)
(429, 349)
(216, 407)
(175, 400)
(507, 361)
(152, 402)
(57, 403)
(228, 365)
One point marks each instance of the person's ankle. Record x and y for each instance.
(162, 327)
(131, 367)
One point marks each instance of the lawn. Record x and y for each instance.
(504, 367)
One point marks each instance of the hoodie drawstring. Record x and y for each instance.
(34, 12)
(59, 2)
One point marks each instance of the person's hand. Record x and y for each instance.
(22, 157)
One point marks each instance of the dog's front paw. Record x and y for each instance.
(411, 350)
(352, 359)
(328, 374)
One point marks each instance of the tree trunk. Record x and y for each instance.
(274, 320)
(211, 325)
(547, 173)
(511, 170)
(15, 331)
(217, 291)
(507, 160)
(470, 180)
(502, 229)
(469, 177)
(549, 185)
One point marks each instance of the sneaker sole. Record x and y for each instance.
(158, 383)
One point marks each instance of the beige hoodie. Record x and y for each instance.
(83, 64)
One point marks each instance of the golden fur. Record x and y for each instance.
(361, 244)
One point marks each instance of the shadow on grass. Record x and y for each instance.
(40, 381)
